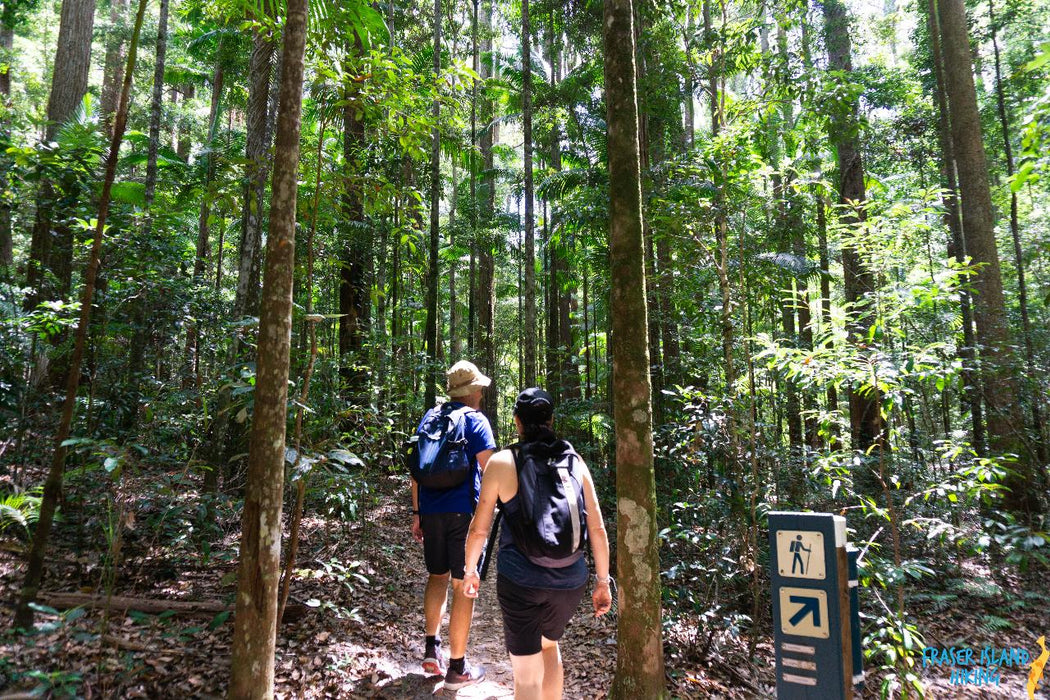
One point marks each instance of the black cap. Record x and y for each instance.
(534, 406)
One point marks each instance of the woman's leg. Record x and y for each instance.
(553, 673)
(528, 676)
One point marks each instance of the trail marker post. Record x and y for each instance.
(812, 620)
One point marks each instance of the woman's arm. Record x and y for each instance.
(602, 596)
(481, 524)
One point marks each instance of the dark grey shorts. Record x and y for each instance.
(444, 542)
(529, 613)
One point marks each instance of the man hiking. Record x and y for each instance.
(453, 445)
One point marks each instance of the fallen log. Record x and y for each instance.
(151, 606)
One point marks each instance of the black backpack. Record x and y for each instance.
(437, 454)
(550, 526)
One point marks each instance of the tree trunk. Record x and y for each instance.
(246, 299)
(529, 262)
(433, 271)
(353, 284)
(114, 61)
(1015, 234)
(866, 425)
(142, 322)
(53, 484)
(203, 252)
(640, 663)
(486, 304)
(7, 38)
(68, 86)
(255, 620)
(998, 364)
(956, 244)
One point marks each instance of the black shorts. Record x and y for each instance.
(529, 613)
(445, 542)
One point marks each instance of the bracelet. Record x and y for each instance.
(472, 572)
(599, 579)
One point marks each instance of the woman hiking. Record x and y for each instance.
(542, 571)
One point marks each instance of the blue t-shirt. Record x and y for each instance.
(463, 498)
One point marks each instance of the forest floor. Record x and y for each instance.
(357, 628)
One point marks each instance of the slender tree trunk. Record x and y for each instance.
(246, 299)
(956, 244)
(486, 303)
(433, 271)
(1015, 234)
(142, 323)
(53, 484)
(255, 620)
(7, 39)
(640, 662)
(68, 86)
(866, 423)
(998, 364)
(191, 374)
(529, 262)
(353, 285)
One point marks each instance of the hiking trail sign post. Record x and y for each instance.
(812, 616)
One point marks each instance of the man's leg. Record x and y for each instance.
(528, 676)
(434, 599)
(459, 621)
(553, 673)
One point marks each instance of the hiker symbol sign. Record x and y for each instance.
(800, 554)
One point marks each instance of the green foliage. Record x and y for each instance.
(20, 509)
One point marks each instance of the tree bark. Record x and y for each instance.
(998, 364)
(529, 262)
(53, 485)
(255, 620)
(68, 85)
(866, 425)
(640, 663)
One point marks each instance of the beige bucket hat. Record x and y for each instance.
(464, 378)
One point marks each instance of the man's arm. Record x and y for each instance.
(417, 529)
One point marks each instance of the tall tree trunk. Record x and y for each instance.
(255, 620)
(7, 39)
(53, 485)
(113, 64)
(998, 364)
(68, 85)
(203, 250)
(142, 322)
(486, 304)
(433, 270)
(529, 263)
(246, 298)
(1015, 234)
(640, 662)
(956, 243)
(866, 425)
(353, 282)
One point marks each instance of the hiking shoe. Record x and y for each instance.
(434, 661)
(471, 674)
